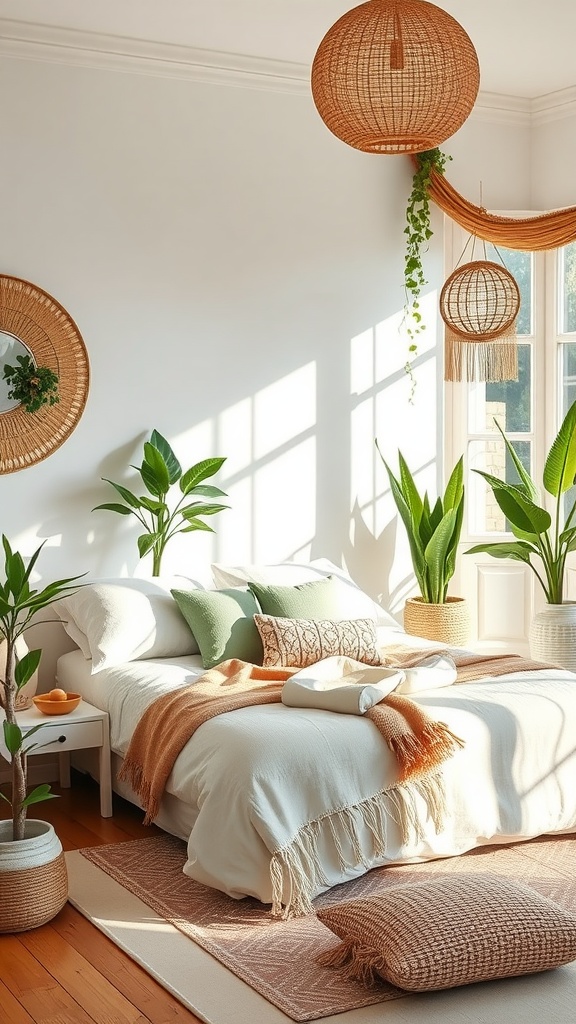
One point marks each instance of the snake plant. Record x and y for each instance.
(433, 530)
(539, 534)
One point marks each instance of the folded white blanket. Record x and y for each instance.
(352, 688)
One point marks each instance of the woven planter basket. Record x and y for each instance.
(552, 635)
(33, 877)
(447, 623)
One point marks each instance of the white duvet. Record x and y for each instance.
(262, 778)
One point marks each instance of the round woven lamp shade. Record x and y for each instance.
(395, 76)
(480, 301)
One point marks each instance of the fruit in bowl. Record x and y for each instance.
(57, 702)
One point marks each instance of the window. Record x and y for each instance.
(529, 410)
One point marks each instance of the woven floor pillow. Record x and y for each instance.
(452, 931)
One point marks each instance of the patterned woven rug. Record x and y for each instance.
(278, 958)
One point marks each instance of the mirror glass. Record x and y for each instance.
(10, 347)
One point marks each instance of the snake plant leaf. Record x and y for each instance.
(416, 547)
(172, 464)
(436, 553)
(26, 667)
(453, 546)
(560, 466)
(409, 490)
(455, 486)
(199, 472)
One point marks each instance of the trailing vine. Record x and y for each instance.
(418, 233)
(33, 386)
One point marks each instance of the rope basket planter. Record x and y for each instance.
(46, 329)
(479, 304)
(395, 76)
(448, 623)
(31, 893)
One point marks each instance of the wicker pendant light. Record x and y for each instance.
(479, 305)
(395, 76)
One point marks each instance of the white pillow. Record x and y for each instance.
(122, 620)
(355, 603)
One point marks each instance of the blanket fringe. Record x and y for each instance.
(296, 870)
(132, 772)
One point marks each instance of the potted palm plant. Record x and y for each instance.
(543, 539)
(160, 520)
(33, 881)
(433, 534)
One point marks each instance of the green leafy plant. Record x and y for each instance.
(160, 472)
(433, 530)
(548, 538)
(19, 603)
(418, 233)
(33, 386)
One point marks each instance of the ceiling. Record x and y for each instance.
(525, 47)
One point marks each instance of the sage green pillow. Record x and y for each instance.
(222, 622)
(318, 599)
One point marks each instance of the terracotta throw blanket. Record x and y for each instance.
(419, 743)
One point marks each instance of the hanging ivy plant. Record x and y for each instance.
(418, 233)
(33, 386)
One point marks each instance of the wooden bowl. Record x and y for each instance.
(57, 707)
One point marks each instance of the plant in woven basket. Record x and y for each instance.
(160, 471)
(433, 529)
(548, 538)
(19, 603)
(418, 233)
(33, 386)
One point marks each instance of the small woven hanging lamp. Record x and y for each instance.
(479, 305)
(395, 76)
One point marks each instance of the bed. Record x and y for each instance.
(311, 789)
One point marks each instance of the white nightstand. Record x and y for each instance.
(84, 727)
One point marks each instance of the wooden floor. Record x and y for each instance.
(68, 972)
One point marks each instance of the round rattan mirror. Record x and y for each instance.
(31, 317)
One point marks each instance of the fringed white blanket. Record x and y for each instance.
(419, 744)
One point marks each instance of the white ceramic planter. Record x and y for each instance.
(552, 635)
(33, 878)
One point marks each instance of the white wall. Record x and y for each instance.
(237, 275)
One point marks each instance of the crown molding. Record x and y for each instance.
(26, 41)
(555, 106)
(78, 48)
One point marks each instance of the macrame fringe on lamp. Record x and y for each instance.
(395, 76)
(479, 305)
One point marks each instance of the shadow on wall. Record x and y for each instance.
(369, 561)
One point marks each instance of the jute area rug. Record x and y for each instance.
(229, 962)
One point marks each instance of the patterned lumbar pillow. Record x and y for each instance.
(301, 642)
(451, 931)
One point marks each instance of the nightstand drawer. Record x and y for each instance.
(68, 736)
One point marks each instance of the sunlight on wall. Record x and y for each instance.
(270, 471)
(381, 409)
